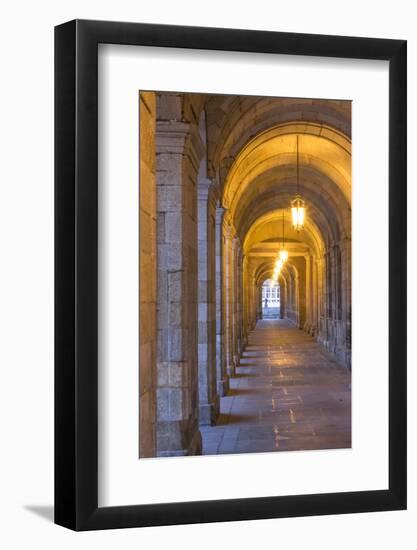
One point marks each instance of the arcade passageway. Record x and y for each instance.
(240, 349)
(288, 394)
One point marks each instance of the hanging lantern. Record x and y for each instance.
(283, 253)
(298, 213)
(298, 205)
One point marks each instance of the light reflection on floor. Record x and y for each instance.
(288, 394)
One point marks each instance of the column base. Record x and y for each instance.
(344, 356)
(223, 387)
(231, 370)
(178, 438)
(209, 412)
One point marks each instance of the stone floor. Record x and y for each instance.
(288, 394)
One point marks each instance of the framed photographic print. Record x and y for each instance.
(230, 275)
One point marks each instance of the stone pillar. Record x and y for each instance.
(259, 302)
(313, 295)
(332, 270)
(240, 302)
(221, 370)
(282, 298)
(245, 297)
(297, 300)
(253, 299)
(300, 305)
(235, 302)
(329, 296)
(308, 294)
(179, 150)
(290, 298)
(228, 297)
(147, 255)
(322, 307)
(346, 283)
(209, 403)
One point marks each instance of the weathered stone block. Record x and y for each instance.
(169, 106)
(173, 227)
(177, 344)
(175, 286)
(176, 314)
(169, 198)
(163, 404)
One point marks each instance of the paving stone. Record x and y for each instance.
(302, 405)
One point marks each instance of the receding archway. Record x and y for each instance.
(271, 293)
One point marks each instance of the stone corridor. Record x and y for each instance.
(288, 394)
(219, 178)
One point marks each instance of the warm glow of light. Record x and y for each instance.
(277, 269)
(298, 213)
(283, 255)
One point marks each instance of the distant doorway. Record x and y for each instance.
(270, 300)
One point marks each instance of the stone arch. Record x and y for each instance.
(258, 188)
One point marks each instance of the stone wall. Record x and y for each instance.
(147, 259)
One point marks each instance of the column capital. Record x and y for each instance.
(179, 138)
(220, 210)
(206, 189)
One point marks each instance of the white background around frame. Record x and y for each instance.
(123, 479)
(26, 276)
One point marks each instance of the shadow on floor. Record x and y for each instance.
(229, 419)
(45, 512)
(240, 391)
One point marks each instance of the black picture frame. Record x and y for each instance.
(76, 272)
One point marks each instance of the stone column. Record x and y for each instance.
(300, 304)
(308, 294)
(209, 403)
(235, 290)
(322, 295)
(282, 298)
(346, 275)
(228, 298)
(332, 338)
(221, 371)
(290, 298)
(179, 150)
(297, 300)
(253, 299)
(240, 302)
(314, 297)
(245, 296)
(259, 302)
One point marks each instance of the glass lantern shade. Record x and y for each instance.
(298, 213)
